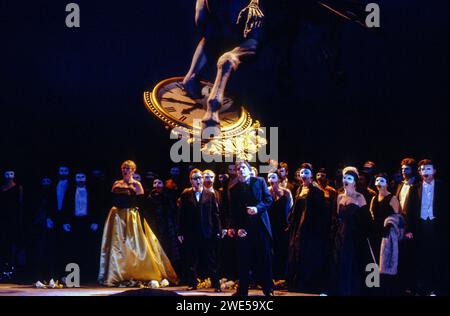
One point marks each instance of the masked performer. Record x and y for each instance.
(350, 244)
(278, 214)
(80, 224)
(383, 205)
(382, 208)
(429, 227)
(130, 251)
(309, 231)
(231, 28)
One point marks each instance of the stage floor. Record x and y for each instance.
(24, 290)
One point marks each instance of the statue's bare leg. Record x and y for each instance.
(227, 63)
(191, 81)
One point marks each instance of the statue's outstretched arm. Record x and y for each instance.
(254, 17)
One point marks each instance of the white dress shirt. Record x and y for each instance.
(426, 211)
(61, 189)
(198, 195)
(81, 202)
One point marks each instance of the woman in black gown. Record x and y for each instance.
(383, 205)
(278, 214)
(350, 242)
(309, 231)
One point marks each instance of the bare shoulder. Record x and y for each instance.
(361, 199)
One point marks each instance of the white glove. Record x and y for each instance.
(66, 228)
(49, 223)
(94, 227)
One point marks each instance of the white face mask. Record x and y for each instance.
(46, 182)
(380, 182)
(426, 170)
(137, 177)
(348, 179)
(272, 178)
(64, 171)
(80, 178)
(305, 173)
(158, 184)
(10, 175)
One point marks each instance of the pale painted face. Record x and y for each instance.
(46, 182)
(427, 171)
(158, 184)
(80, 179)
(10, 175)
(63, 172)
(272, 178)
(208, 179)
(197, 180)
(305, 174)
(348, 180)
(381, 182)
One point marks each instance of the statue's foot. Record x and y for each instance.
(211, 119)
(192, 88)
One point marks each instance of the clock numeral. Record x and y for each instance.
(183, 118)
(170, 109)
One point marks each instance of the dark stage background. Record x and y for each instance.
(74, 96)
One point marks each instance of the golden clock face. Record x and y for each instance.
(169, 102)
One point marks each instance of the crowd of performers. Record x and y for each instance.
(307, 234)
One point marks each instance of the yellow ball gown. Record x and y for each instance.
(130, 250)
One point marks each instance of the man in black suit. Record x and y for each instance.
(428, 224)
(405, 194)
(199, 229)
(80, 226)
(249, 201)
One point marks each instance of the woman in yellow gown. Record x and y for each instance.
(130, 251)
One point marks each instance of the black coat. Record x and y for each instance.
(259, 196)
(198, 220)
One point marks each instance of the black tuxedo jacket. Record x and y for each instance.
(259, 196)
(68, 211)
(410, 203)
(198, 219)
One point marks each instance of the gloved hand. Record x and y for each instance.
(49, 223)
(66, 228)
(224, 233)
(94, 227)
